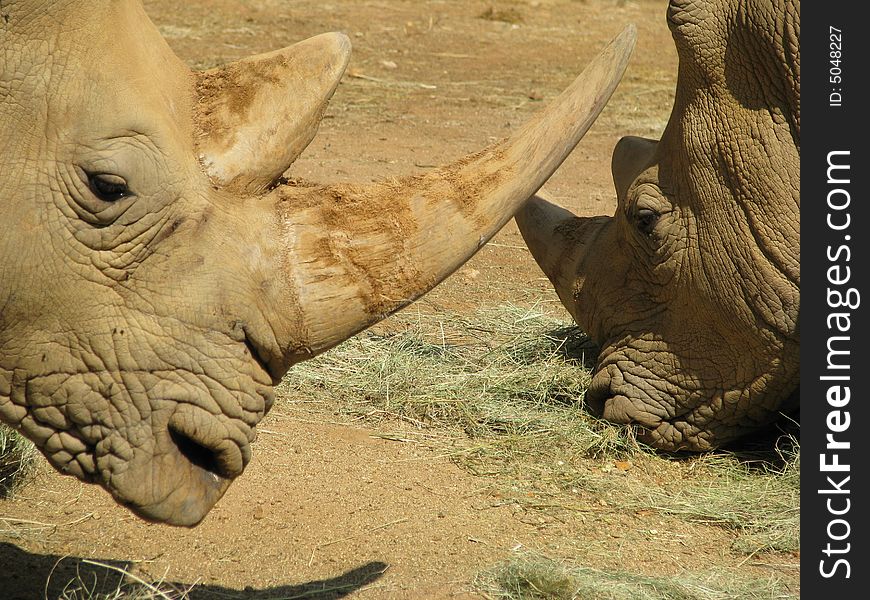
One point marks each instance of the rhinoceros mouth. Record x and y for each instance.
(603, 402)
(196, 457)
(665, 417)
(619, 397)
(183, 506)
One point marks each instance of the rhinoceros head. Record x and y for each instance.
(157, 277)
(692, 287)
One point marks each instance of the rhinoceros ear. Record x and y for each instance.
(630, 157)
(254, 117)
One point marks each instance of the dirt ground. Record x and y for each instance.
(325, 509)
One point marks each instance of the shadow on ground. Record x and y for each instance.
(26, 576)
(572, 344)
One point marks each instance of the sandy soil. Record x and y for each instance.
(327, 510)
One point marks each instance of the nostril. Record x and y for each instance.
(595, 397)
(208, 442)
(197, 454)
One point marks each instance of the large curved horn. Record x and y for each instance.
(359, 253)
(255, 116)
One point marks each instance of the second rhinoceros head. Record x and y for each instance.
(692, 288)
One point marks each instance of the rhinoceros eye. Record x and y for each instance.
(646, 219)
(108, 187)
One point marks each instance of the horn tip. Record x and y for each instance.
(627, 38)
(339, 41)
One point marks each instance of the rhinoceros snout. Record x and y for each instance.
(197, 455)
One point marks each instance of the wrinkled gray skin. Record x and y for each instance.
(156, 278)
(692, 287)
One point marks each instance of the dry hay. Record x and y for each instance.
(531, 577)
(18, 460)
(501, 392)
